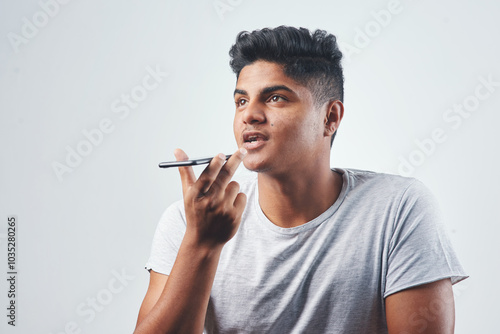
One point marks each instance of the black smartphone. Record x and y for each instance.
(190, 162)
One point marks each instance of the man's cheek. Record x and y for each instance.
(237, 135)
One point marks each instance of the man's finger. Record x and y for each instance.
(240, 202)
(227, 171)
(187, 174)
(209, 174)
(232, 190)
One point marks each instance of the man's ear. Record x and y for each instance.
(334, 114)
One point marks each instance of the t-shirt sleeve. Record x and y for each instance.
(167, 239)
(420, 251)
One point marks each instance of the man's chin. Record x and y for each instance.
(255, 166)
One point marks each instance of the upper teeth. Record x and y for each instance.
(253, 138)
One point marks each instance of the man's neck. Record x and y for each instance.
(293, 200)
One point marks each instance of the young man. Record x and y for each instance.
(302, 248)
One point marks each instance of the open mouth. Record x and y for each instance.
(250, 137)
(253, 139)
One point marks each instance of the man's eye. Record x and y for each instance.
(277, 98)
(241, 102)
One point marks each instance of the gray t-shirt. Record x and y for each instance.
(331, 275)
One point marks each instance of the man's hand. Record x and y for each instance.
(178, 303)
(212, 203)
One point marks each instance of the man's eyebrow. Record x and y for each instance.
(266, 90)
(271, 89)
(239, 91)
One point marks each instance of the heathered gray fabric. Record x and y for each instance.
(330, 275)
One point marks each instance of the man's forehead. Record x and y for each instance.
(265, 76)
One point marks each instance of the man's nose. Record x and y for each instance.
(254, 113)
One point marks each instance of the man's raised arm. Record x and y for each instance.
(214, 207)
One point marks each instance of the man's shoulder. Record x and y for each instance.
(361, 175)
(367, 181)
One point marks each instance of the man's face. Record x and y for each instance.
(276, 120)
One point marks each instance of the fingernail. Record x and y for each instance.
(221, 156)
(243, 151)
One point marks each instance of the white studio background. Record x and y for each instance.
(422, 99)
